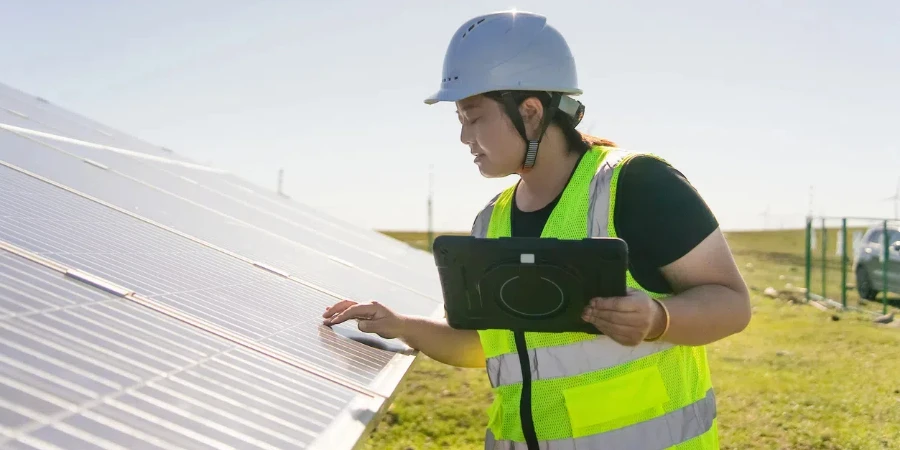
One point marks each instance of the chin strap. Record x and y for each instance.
(558, 102)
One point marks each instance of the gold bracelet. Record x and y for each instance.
(666, 329)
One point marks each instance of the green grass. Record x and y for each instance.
(796, 378)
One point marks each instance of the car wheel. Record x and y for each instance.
(864, 285)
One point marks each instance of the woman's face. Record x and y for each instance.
(492, 139)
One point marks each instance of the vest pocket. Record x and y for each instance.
(616, 402)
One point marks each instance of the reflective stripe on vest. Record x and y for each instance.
(661, 432)
(600, 394)
(568, 360)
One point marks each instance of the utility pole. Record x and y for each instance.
(765, 215)
(430, 206)
(281, 182)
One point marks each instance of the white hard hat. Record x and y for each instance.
(509, 50)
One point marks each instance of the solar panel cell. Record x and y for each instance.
(72, 438)
(13, 392)
(12, 419)
(19, 445)
(114, 432)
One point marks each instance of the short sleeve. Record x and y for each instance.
(658, 213)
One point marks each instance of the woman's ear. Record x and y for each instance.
(532, 112)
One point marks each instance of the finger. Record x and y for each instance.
(608, 303)
(353, 312)
(606, 326)
(629, 318)
(624, 304)
(622, 334)
(338, 307)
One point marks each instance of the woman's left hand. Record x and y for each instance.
(627, 320)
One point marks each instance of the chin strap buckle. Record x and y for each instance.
(530, 154)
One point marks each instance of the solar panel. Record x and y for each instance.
(178, 272)
(86, 369)
(203, 223)
(300, 233)
(40, 115)
(231, 186)
(22, 107)
(10, 116)
(146, 303)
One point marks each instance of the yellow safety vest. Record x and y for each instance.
(586, 390)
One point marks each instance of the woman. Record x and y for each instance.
(644, 383)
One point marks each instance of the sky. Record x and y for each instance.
(758, 103)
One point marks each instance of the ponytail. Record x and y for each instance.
(577, 141)
(596, 141)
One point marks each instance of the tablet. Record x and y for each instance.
(527, 284)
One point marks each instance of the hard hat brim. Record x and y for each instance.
(455, 95)
(449, 95)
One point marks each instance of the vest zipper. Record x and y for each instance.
(525, 415)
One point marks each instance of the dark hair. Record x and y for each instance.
(576, 141)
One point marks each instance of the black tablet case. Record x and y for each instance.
(527, 284)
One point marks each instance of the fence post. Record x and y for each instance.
(884, 268)
(844, 262)
(808, 256)
(824, 258)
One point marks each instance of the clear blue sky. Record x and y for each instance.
(753, 101)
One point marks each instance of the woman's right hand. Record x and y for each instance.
(371, 317)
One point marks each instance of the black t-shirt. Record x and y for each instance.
(657, 213)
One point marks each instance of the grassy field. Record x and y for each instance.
(797, 378)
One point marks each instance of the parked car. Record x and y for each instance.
(868, 262)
